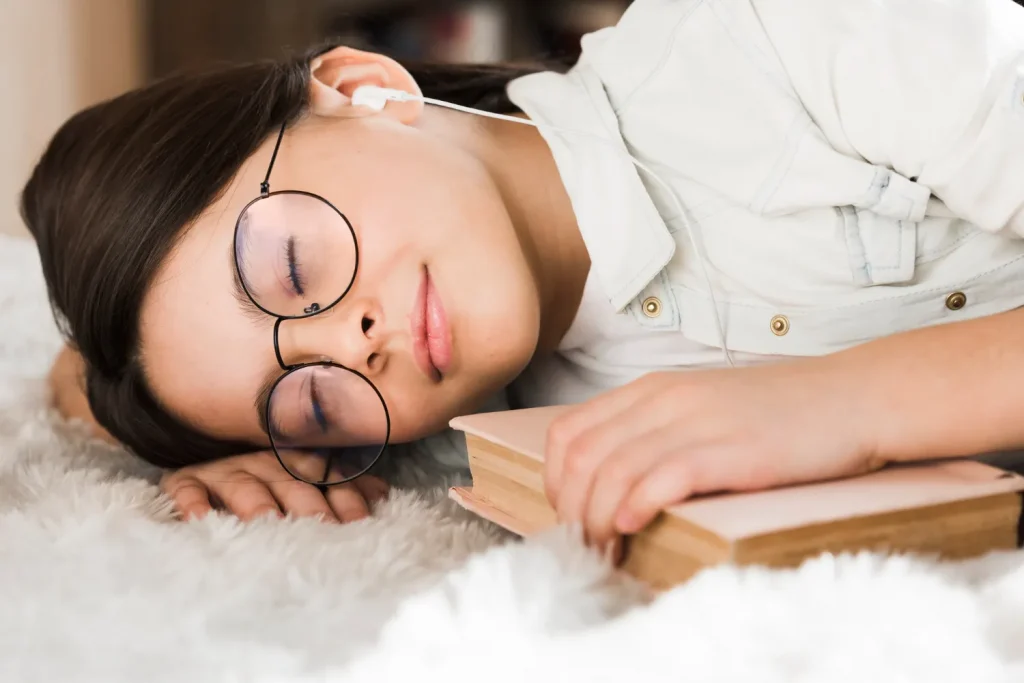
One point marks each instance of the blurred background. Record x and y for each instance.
(57, 56)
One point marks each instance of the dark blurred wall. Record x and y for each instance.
(190, 33)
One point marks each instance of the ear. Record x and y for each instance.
(337, 74)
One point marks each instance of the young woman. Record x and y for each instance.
(823, 226)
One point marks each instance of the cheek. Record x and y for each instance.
(506, 339)
(482, 270)
(497, 320)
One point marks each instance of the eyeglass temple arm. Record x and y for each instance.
(265, 185)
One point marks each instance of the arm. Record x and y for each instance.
(947, 391)
(613, 463)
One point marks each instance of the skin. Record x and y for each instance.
(475, 204)
(941, 392)
(510, 265)
(417, 187)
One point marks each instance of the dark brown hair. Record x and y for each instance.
(119, 183)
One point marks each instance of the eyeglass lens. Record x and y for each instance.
(297, 256)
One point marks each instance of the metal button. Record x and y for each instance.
(780, 325)
(956, 301)
(652, 307)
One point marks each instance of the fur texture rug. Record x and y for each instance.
(99, 582)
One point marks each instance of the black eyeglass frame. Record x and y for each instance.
(311, 311)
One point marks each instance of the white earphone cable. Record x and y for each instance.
(401, 96)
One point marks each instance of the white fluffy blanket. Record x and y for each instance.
(99, 583)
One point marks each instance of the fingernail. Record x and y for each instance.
(626, 524)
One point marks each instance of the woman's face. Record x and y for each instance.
(427, 218)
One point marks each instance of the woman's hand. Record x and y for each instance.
(66, 381)
(255, 485)
(247, 485)
(613, 463)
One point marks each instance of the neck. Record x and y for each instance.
(521, 165)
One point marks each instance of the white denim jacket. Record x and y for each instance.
(854, 168)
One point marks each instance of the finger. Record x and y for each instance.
(373, 489)
(616, 477)
(338, 503)
(580, 420)
(246, 496)
(190, 496)
(581, 459)
(300, 499)
(308, 466)
(670, 482)
(348, 502)
(585, 455)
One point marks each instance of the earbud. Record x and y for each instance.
(376, 98)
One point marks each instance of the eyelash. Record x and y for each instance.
(294, 268)
(317, 404)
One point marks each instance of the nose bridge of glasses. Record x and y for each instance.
(335, 334)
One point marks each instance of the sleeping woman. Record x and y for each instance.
(754, 243)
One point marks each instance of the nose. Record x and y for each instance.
(350, 334)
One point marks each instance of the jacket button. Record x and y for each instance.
(652, 307)
(956, 301)
(780, 325)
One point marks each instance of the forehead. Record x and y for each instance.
(201, 353)
(302, 159)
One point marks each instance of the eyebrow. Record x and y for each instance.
(251, 310)
(263, 399)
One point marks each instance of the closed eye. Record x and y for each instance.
(294, 267)
(317, 404)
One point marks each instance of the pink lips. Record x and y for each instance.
(432, 344)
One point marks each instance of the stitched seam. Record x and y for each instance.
(747, 47)
(656, 71)
(978, 119)
(631, 284)
(899, 253)
(939, 252)
(873, 302)
(854, 246)
(799, 130)
(617, 135)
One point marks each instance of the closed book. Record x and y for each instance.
(953, 509)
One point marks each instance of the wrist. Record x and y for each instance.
(861, 422)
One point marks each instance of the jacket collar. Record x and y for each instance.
(628, 241)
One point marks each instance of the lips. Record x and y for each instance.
(432, 345)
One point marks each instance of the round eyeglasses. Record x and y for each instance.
(296, 256)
